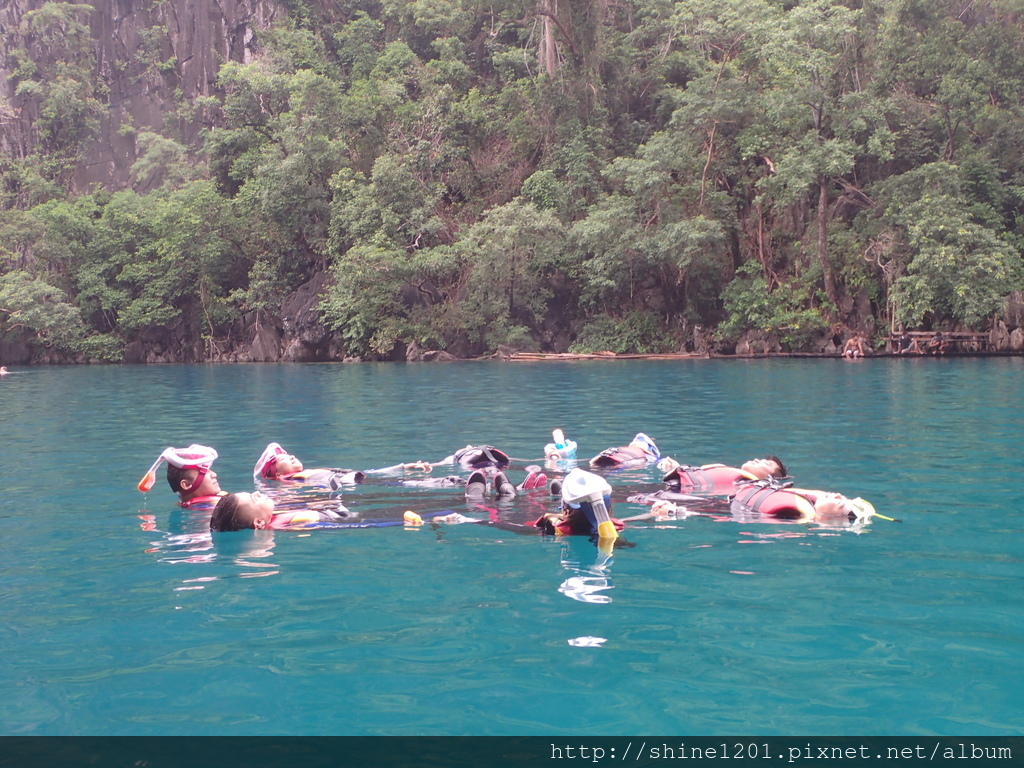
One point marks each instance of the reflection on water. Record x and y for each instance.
(589, 582)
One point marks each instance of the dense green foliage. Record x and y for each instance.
(535, 175)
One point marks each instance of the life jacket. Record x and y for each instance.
(329, 478)
(202, 502)
(306, 518)
(772, 500)
(707, 477)
(309, 519)
(641, 449)
(480, 456)
(617, 457)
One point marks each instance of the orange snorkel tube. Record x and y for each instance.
(146, 483)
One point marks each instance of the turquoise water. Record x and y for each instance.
(120, 617)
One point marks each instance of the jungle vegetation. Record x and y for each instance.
(533, 174)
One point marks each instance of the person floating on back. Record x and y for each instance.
(275, 463)
(238, 511)
(768, 499)
(639, 452)
(257, 511)
(712, 478)
(471, 457)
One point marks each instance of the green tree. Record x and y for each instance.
(29, 303)
(511, 256)
(943, 261)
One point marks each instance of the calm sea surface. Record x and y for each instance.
(118, 615)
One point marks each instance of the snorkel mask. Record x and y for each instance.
(862, 509)
(198, 457)
(643, 441)
(266, 460)
(561, 447)
(591, 494)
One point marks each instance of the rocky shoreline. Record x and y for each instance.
(298, 336)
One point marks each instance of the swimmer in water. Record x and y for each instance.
(190, 475)
(470, 457)
(764, 501)
(238, 511)
(275, 463)
(711, 476)
(691, 484)
(3, 370)
(586, 504)
(639, 452)
(767, 499)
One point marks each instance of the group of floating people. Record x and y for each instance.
(287, 495)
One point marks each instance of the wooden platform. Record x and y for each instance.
(963, 341)
(535, 356)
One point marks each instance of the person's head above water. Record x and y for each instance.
(762, 469)
(646, 444)
(189, 472)
(238, 511)
(832, 506)
(275, 462)
(192, 482)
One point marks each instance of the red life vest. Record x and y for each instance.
(616, 457)
(202, 502)
(707, 478)
(783, 503)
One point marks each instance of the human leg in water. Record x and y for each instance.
(476, 486)
(503, 487)
(535, 479)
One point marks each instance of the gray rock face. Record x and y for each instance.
(144, 52)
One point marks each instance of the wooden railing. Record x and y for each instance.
(962, 341)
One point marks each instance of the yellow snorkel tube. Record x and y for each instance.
(864, 509)
(581, 487)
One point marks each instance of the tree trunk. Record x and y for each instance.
(826, 269)
(549, 53)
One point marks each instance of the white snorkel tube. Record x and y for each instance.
(581, 487)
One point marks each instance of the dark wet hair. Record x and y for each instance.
(176, 474)
(782, 467)
(224, 517)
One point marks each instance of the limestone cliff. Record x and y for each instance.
(151, 59)
(150, 55)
